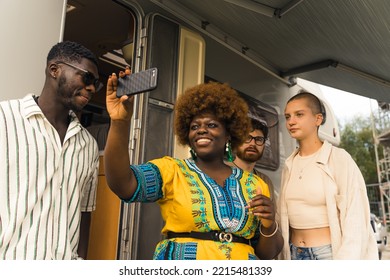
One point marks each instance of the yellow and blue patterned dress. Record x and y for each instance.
(191, 201)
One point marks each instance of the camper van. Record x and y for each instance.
(189, 42)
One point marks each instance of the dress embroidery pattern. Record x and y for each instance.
(227, 202)
(149, 182)
(170, 250)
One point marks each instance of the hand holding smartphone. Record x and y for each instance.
(137, 83)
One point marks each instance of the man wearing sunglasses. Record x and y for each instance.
(252, 150)
(48, 176)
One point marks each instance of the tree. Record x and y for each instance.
(357, 139)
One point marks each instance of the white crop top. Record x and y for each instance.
(305, 194)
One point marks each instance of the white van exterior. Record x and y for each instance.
(142, 35)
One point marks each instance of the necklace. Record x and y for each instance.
(304, 162)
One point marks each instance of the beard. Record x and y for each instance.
(249, 157)
(67, 95)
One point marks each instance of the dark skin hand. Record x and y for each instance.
(116, 158)
(263, 207)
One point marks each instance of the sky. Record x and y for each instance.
(347, 105)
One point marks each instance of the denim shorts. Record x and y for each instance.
(311, 253)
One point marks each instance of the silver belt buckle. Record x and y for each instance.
(225, 236)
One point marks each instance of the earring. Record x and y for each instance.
(228, 150)
(193, 154)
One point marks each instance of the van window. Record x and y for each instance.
(266, 113)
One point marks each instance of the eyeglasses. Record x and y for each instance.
(259, 140)
(88, 77)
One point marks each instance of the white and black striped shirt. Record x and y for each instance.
(44, 184)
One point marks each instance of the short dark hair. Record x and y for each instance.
(258, 125)
(314, 103)
(70, 51)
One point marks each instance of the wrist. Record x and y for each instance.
(269, 231)
(120, 123)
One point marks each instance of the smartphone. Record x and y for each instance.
(137, 83)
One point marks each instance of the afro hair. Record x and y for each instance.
(216, 98)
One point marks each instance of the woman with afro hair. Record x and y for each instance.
(211, 210)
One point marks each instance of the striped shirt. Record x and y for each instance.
(44, 184)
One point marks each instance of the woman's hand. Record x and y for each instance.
(119, 176)
(263, 207)
(118, 108)
(270, 240)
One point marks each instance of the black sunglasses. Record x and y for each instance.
(259, 140)
(88, 77)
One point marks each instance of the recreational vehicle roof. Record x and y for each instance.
(342, 44)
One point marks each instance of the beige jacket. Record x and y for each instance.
(348, 208)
